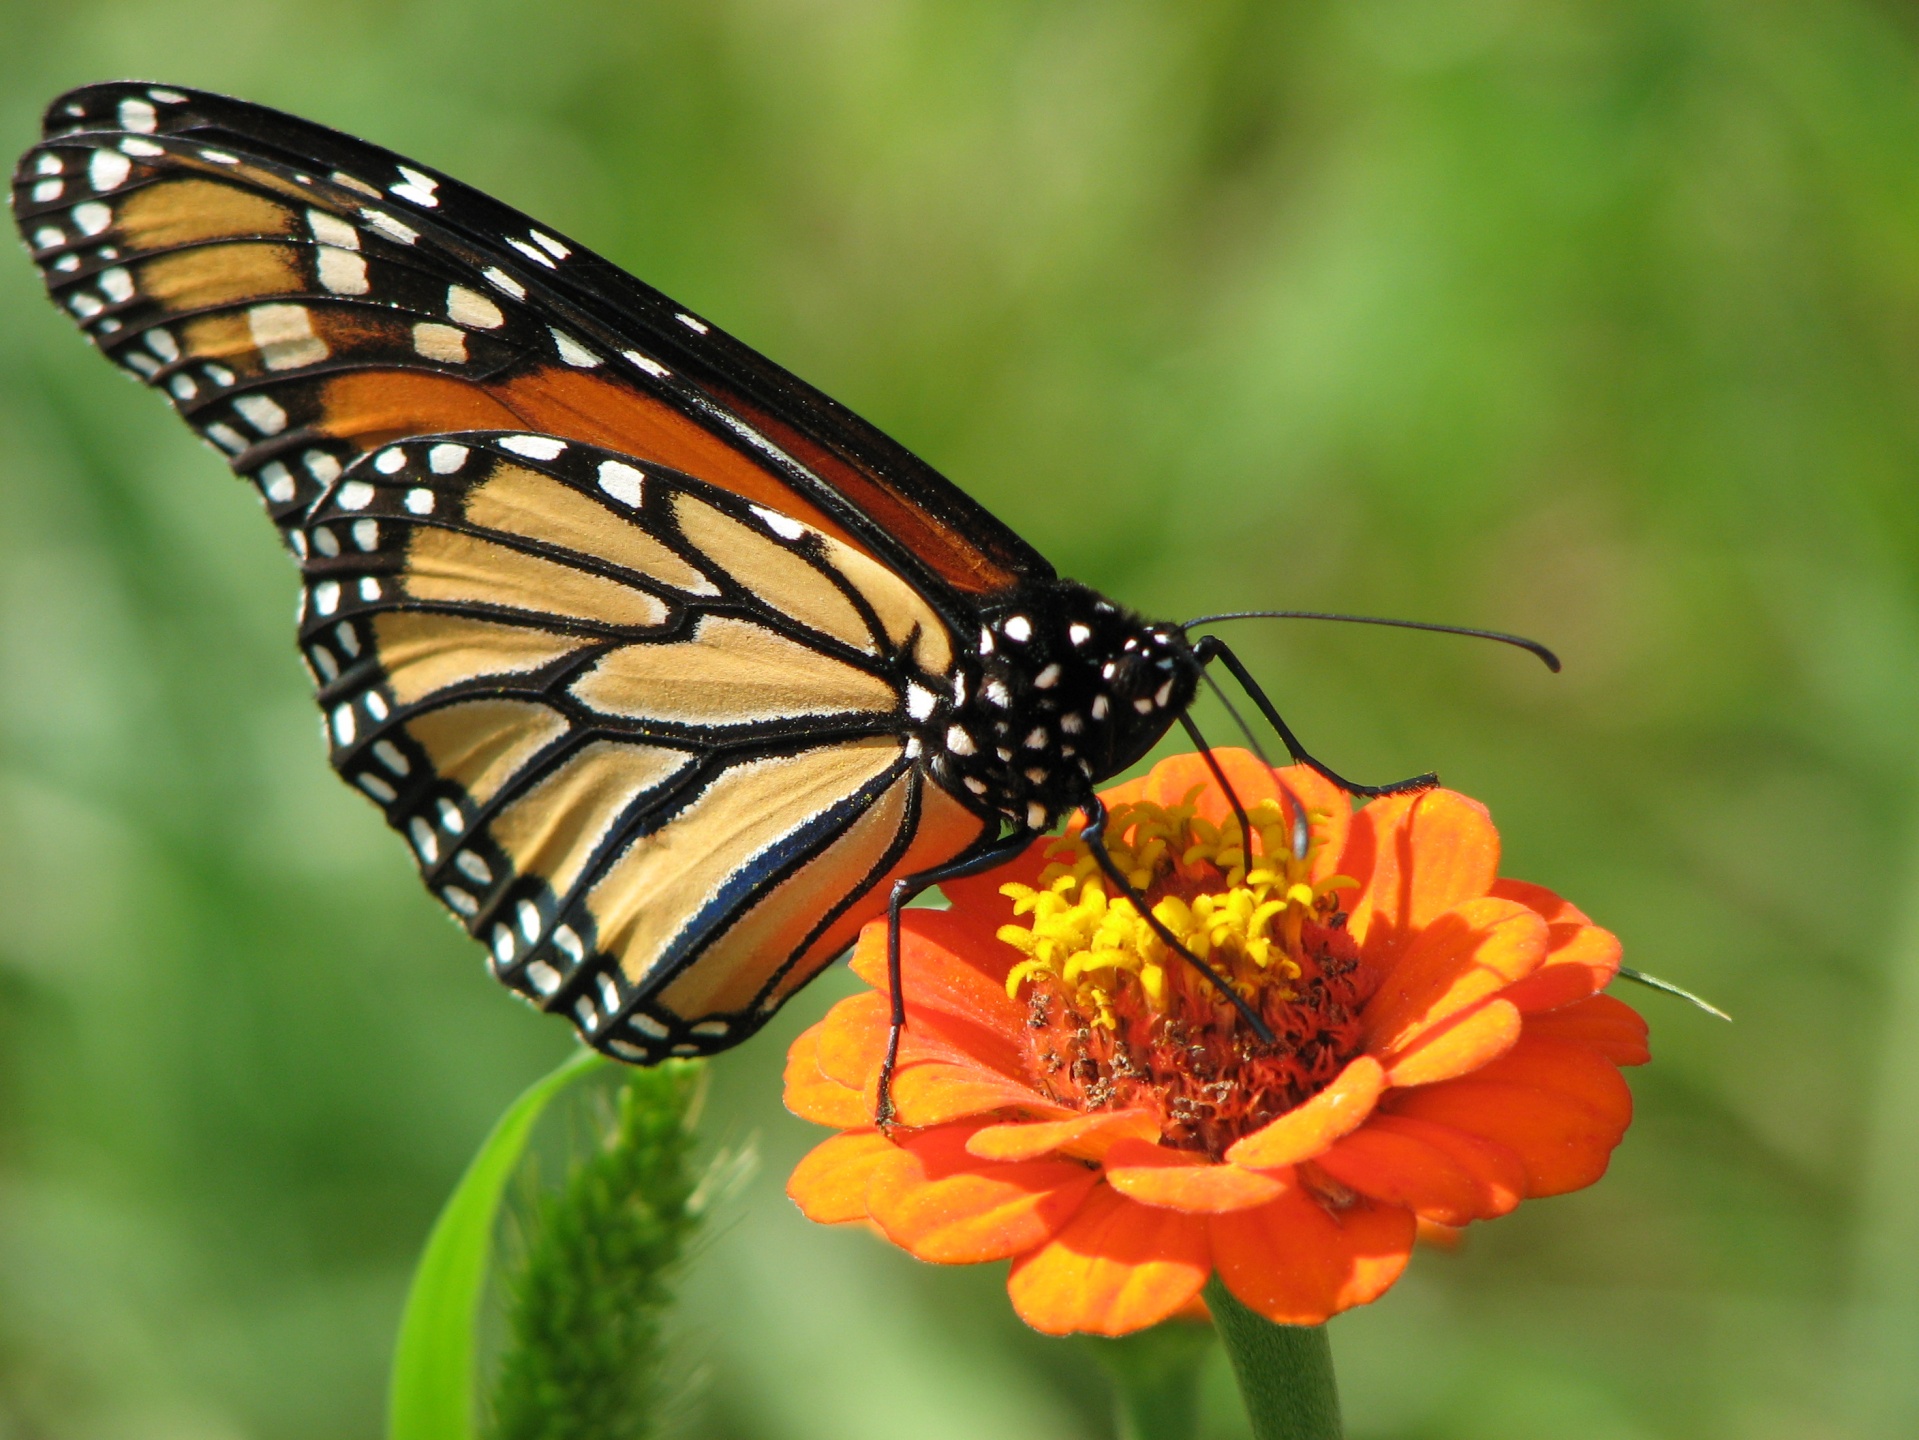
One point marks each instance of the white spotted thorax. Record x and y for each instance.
(1062, 689)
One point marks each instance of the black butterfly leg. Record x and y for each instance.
(1094, 834)
(904, 889)
(1210, 648)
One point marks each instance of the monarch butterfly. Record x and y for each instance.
(672, 671)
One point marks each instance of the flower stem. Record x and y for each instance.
(1285, 1372)
(1155, 1375)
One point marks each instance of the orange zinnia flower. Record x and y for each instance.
(1072, 1096)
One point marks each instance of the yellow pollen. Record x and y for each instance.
(1243, 921)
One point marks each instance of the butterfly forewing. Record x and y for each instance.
(649, 742)
(304, 297)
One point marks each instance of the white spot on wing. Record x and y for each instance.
(161, 342)
(784, 526)
(572, 351)
(472, 309)
(416, 187)
(220, 157)
(550, 245)
(442, 343)
(354, 495)
(108, 170)
(145, 149)
(1018, 627)
(419, 502)
(622, 481)
(534, 447)
(920, 702)
(285, 336)
(532, 253)
(389, 227)
(262, 413)
(92, 218)
(117, 284)
(700, 326)
(503, 282)
(332, 230)
(278, 483)
(226, 437)
(342, 272)
(651, 367)
(446, 459)
(138, 116)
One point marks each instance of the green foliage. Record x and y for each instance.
(584, 1359)
(434, 1361)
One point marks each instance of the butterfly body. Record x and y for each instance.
(671, 671)
(1063, 689)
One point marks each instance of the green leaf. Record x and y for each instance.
(433, 1363)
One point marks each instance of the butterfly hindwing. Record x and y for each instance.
(649, 742)
(304, 297)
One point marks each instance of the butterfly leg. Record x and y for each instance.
(1302, 834)
(904, 890)
(1210, 648)
(1094, 834)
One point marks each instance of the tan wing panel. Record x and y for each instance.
(655, 891)
(424, 653)
(733, 973)
(514, 500)
(730, 672)
(481, 745)
(553, 829)
(945, 829)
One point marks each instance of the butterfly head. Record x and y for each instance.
(1063, 690)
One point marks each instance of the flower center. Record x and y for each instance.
(1117, 1019)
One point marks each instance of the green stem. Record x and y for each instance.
(1285, 1372)
(1155, 1375)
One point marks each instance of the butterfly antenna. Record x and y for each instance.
(1532, 647)
(1094, 834)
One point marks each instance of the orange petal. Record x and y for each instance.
(830, 1184)
(1084, 1137)
(936, 1092)
(1435, 1171)
(1561, 1108)
(1416, 856)
(814, 1096)
(1460, 1046)
(953, 968)
(1581, 960)
(852, 1039)
(1462, 956)
(1304, 1131)
(1553, 909)
(937, 1080)
(1298, 1263)
(941, 1204)
(1604, 1023)
(1182, 1180)
(1115, 1267)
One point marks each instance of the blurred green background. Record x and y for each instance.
(1594, 320)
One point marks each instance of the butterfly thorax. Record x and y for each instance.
(1063, 689)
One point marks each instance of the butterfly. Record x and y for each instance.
(672, 672)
